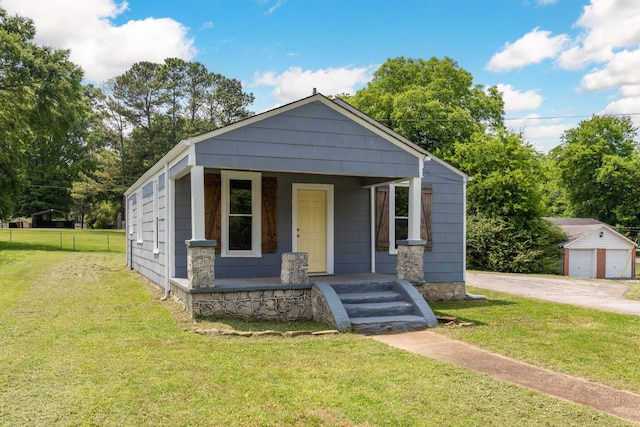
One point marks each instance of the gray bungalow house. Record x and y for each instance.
(310, 210)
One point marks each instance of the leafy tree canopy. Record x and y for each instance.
(41, 106)
(433, 103)
(505, 231)
(598, 167)
(507, 176)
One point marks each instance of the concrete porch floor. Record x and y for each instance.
(255, 283)
(331, 279)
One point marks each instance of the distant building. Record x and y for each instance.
(18, 222)
(595, 249)
(51, 218)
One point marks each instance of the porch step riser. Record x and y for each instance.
(377, 325)
(361, 288)
(395, 308)
(374, 308)
(371, 297)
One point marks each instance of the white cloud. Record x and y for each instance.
(101, 48)
(515, 100)
(542, 133)
(532, 48)
(296, 83)
(620, 71)
(623, 106)
(275, 6)
(607, 25)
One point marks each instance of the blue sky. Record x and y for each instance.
(556, 61)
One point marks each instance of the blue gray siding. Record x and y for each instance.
(311, 143)
(146, 211)
(445, 262)
(182, 189)
(312, 138)
(351, 229)
(179, 167)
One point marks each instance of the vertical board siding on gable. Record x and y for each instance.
(445, 262)
(312, 138)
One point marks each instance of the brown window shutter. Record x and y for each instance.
(212, 209)
(425, 217)
(382, 218)
(269, 215)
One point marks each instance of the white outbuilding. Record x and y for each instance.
(595, 249)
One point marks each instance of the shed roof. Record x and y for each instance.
(576, 228)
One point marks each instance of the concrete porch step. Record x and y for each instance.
(385, 324)
(361, 287)
(374, 309)
(369, 297)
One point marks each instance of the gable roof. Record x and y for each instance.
(576, 228)
(337, 105)
(396, 135)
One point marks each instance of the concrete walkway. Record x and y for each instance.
(606, 399)
(595, 293)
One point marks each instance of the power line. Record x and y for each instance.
(572, 117)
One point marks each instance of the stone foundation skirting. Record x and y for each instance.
(320, 308)
(442, 291)
(285, 304)
(271, 304)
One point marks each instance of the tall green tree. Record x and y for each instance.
(507, 176)
(433, 103)
(598, 164)
(151, 107)
(42, 108)
(505, 231)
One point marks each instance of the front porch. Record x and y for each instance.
(362, 302)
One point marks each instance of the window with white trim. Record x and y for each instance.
(241, 214)
(156, 219)
(129, 219)
(139, 210)
(398, 214)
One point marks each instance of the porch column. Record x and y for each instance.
(201, 255)
(197, 203)
(410, 260)
(415, 196)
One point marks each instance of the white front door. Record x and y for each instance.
(312, 219)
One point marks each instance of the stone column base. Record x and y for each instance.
(201, 255)
(295, 268)
(410, 260)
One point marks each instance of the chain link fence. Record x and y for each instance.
(62, 240)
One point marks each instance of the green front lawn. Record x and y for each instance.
(62, 239)
(600, 346)
(85, 341)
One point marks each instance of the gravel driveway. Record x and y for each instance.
(596, 293)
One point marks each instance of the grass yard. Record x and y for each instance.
(62, 239)
(84, 341)
(597, 345)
